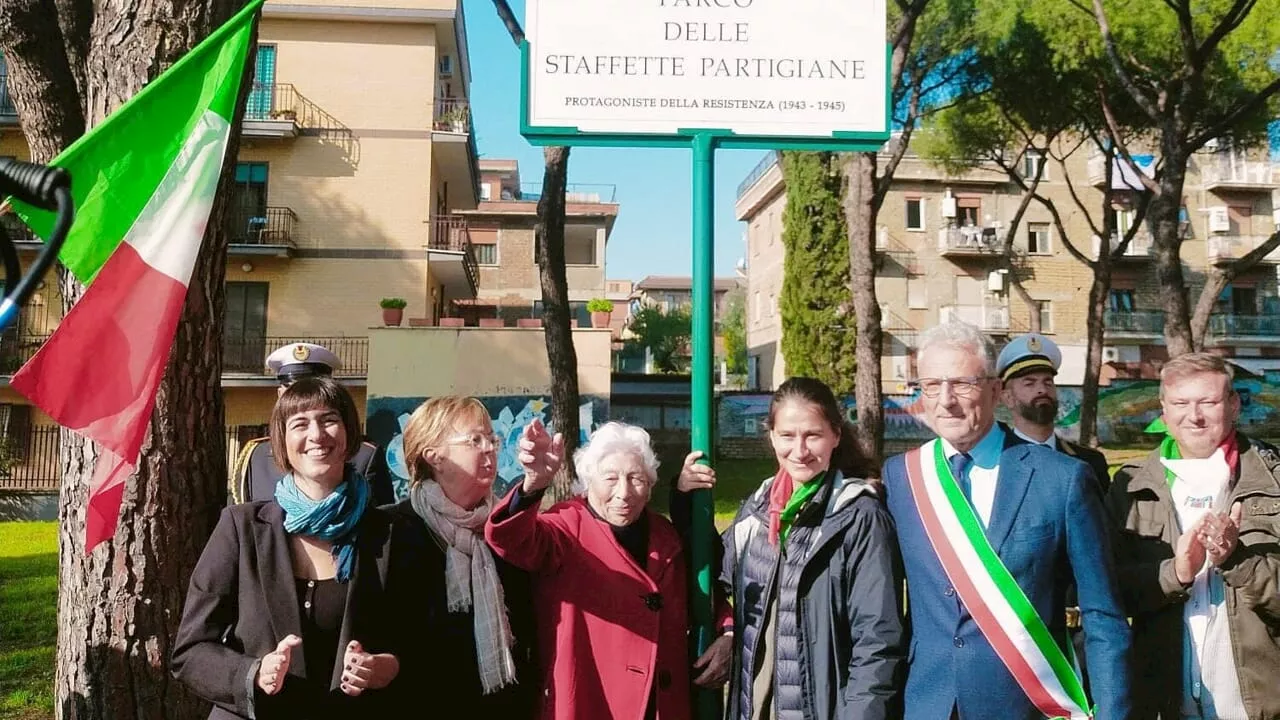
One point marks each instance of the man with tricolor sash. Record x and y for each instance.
(993, 530)
(1199, 555)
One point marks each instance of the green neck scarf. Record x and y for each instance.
(799, 498)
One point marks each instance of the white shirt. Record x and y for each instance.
(1051, 443)
(983, 472)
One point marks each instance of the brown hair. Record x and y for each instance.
(313, 393)
(1195, 363)
(429, 425)
(847, 457)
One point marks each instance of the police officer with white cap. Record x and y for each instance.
(256, 472)
(1027, 367)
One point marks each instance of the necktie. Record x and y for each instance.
(960, 463)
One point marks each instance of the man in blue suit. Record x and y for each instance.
(1039, 521)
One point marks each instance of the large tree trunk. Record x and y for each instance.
(860, 213)
(1095, 326)
(561, 355)
(119, 607)
(1166, 244)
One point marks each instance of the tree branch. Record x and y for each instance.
(1240, 10)
(1234, 116)
(509, 19)
(1113, 131)
(1126, 81)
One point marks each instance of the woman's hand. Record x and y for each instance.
(362, 671)
(540, 455)
(715, 663)
(695, 475)
(275, 665)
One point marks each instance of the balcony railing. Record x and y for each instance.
(1135, 322)
(16, 350)
(280, 101)
(993, 318)
(8, 112)
(273, 226)
(1139, 246)
(583, 193)
(248, 355)
(771, 158)
(1232, 169)
(452, 115)
(1225, 248)
(450, 233)
(30, 461)
(970, 240)
(17, 230)
(1231, 325)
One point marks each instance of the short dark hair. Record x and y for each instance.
(312, 393)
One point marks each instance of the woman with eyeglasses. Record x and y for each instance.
(610, 581)
(814, 570)
(473, 630)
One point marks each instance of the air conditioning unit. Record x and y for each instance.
(1219, 220)
(948, 207)
(446, 66)
(1110, 354)
(995, 281)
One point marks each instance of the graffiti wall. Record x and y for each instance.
(509, 414)
(1124, 411)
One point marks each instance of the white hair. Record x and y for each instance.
(613, 438)
(959, 335)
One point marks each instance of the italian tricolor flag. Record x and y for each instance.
(144, 182)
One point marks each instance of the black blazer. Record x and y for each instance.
(242, 601)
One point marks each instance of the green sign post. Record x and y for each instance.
(705, 74)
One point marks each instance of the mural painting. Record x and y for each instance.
(510, 414)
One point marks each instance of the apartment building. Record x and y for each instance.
(357, 156)
(935, 253)
(501, 229)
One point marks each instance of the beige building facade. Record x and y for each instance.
(356, 160)
(936, 242)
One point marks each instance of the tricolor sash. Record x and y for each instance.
(999, 607)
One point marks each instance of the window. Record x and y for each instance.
(756, 307)
(773, 304)
(1244, 300)
(916, 295)
(244, 334)
(1120, 301)
(248, 216)
(262, 95)
(968, 211)
(486, 253)
(486, 191)
(915, 213)
(1046, 316)
(1033, 161)
(1038, 238)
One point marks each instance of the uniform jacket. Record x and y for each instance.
(1143, 511)
(1048, 527)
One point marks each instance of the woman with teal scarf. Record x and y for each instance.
(289, 613)
(814, 572)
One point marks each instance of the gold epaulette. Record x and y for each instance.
(238, 470)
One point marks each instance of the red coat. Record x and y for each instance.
(602, 646)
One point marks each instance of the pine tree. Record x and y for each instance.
(816, 304)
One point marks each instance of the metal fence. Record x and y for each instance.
(249, 354)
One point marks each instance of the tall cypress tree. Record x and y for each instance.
(816, 304)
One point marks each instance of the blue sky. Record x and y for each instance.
(652, 234)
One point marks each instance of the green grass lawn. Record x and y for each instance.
(28, 618)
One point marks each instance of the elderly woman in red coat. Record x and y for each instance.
(610, 584)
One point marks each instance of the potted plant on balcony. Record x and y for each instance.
(291, 115)
(455, 118)
(601, 311)
(393, 311)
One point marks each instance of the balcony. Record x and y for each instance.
(1231, 171)
(1265, 328)
(16, 350)
(248, 355)
(970, 242)
(266, 233)
(1122, 175)
(1134, 324)
(452, 257)
(1223, 249)
(8, 112)
(17, 231)
(574, 193)
(1139, 249)
(990, 318)
(455, 146)
(274, 112)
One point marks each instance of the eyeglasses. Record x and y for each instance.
(478, 441)
(962, 386)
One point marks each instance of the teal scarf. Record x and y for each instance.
(333, 519)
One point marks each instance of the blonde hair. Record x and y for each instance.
(431, 423)
(1196, 363)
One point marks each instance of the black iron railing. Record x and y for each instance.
(452, 115)
(29, 460)
(451, 233)
(1146, 322)
(272, 226)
